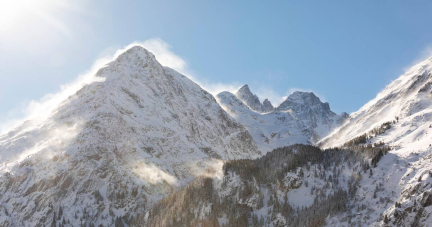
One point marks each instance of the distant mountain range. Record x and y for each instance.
(301, 118)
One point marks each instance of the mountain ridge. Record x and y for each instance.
(301, 118)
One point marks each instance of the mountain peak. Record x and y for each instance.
(303, 94)
(137, 59)
(244, 92)
(136, 55)
(251, 100)
(303, 100)
(244, 88)
(138, 49)
(304, 97)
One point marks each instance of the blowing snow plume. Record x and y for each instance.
(115, 145)
(407, 96)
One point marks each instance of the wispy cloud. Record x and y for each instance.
(265, 92)
(38, 110)
(425, 54)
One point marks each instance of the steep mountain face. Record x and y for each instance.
(252, 101)
(301, 118)
(406, 100)
(401, 117)
(115, 147)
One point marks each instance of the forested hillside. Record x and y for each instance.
(299, 185)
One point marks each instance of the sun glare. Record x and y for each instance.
(14, 11)
(17, 14)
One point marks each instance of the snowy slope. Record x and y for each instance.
(115, 147)
(408, 98)
(301, 118)
(405, 172)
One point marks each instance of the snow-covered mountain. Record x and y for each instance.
(301, 118)
(115, 147)
(119, 146)
(406, 100)
(380, 174)
(401, 117)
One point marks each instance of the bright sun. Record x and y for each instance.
(17, 14)
(12, 11)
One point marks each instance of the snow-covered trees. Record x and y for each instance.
(256, 192)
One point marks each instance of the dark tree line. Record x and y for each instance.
(201, 203)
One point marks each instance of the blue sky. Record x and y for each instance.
(345, 51)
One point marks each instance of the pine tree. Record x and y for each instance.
(60, 213)
(386, 220)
